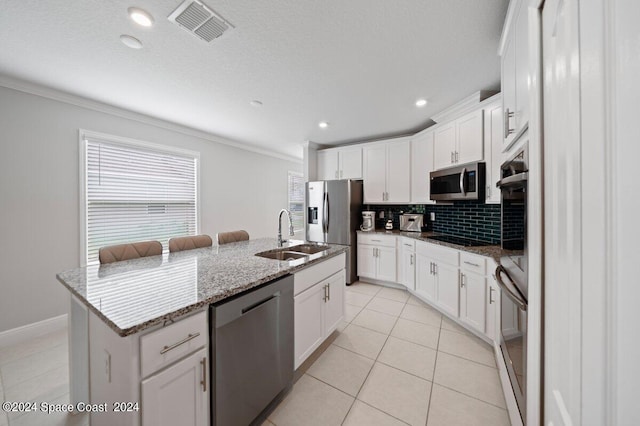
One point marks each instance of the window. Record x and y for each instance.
(135, 191)
(296, 200)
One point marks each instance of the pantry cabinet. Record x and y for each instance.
(460, 141)
(387, 172)
(342, 163)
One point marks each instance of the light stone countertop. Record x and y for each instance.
(136, 294)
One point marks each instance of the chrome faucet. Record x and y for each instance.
(291, 233)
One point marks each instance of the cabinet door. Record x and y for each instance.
(408, 268)
(493, 149)
(521, 33)
(473, 291)
(421, 166)
(327, 165)
(350, 163)
(444, 142)
(399, 172)
(508, 89)
(447, 288)
(178, 395)
(334, 305)
(308, 323)
(493, 310)
(425, 280)
(374, 173)
(386, 264)
(366, 261)
(470, 137)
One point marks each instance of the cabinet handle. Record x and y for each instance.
(457, 156)
(507, 129)
(181, 342)
(461, 280)
(203, 382)
(451, 157)
(431, 268)
(491, 290)
(471, 263)
(435, 269)
(328, 292)
(326, 296)
(410, 259)
(377, 241)
(336, 174)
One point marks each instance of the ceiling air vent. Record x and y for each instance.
(196, 18)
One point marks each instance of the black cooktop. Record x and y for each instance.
(466, 242)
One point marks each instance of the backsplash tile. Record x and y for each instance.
(469, 219)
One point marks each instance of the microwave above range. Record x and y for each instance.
(458, 183)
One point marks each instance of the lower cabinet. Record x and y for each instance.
(493, 325)
(437, 276)
(408, 264)
(473, 309)
(447, 285)
(377, 257)
(425, 280)
(178, 395)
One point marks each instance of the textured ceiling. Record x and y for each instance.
(358, 64)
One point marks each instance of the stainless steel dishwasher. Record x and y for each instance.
(252, 352)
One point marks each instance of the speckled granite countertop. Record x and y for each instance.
(136, 294)
(492, 251)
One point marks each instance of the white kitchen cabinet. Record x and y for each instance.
(386, 264)
(425, 280)
(437, 276)
(515, 73)
(377, 257)
(493, 128)
(421, 167)
(492, 324)
(342, 163)
(447, 285)
(334, 303)
(408, 264)
(366, 261)
(178, 394)
(387, 172)
(460, 141)
(473, 290)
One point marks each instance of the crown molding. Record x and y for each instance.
(468, 104)
(61, 96)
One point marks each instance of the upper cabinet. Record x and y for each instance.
(459, 141)
(421, 166)
(493, 122)
(342, 163)
(515, 72)
(387, 172)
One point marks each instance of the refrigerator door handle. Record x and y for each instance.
(325, 213)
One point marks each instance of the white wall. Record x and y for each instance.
(39, 211)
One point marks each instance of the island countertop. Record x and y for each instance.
(136, 294)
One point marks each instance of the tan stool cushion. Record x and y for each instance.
(120, 252)
(232, 237)
(189, 243)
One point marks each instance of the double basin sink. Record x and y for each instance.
(294, 252)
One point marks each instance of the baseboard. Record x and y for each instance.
(31, 331)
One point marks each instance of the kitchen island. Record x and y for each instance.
(131, 322)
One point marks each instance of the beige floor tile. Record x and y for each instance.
(33, 365)
(365, 288)
(466, 346)
(267, 423)
(450, 325)
(470, 378)
(362, 414)
(409, 357)
(342, 326)
(422, 334)
(361, 341)
(4, 421)
(312, 402)
(33, 346)
(53, 419)
(357, 299)
(397, 393)
(45, 387)
(421, 314)
(415, 301)
(394, 294)
(350, 312)
(449, 407)
(376, 321)
(385, 306)
(341, 369)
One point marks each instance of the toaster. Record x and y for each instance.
(411, 222)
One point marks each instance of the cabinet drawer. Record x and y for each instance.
(377, 239)
(473, 263)
(162, 347)
(439, 253)
(408, 244)
(312, 275)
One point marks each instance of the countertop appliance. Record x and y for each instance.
(252, 353)
(512, 273)
(368, 221)
(411, 222)
(333, 216)
(458, 183)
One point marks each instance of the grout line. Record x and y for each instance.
(467, 359)
(471, 396)
(383, 412)
(435, 365)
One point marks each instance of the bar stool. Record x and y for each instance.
(232, 237)
(116, 253)
(189, 243)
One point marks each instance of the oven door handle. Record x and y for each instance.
(513, 295)
(462, 185)
(513, 180)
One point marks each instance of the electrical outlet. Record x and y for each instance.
(107, 366)
(432, 216)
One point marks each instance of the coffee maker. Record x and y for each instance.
(368, 221)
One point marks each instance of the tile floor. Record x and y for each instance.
(395, 362)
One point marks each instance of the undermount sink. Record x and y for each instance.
(282, 255)
(308, 248)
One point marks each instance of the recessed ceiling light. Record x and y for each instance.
(421, 102)
(130, 41)
(140, 17)
(323, 124)
(255, 103)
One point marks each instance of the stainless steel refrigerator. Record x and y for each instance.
(333, 216)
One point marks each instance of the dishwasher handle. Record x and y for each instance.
(257, 304)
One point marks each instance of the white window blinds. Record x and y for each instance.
(296, 200)
(137, 193)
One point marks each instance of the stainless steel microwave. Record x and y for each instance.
(458, 183)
